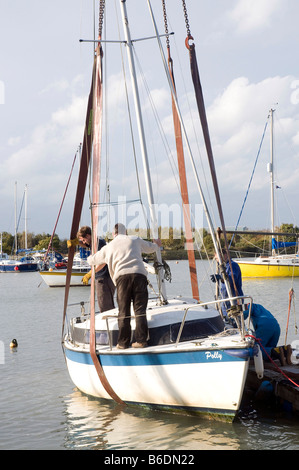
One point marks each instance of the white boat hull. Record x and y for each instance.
(58, 278)
(201, 381)
(202, 375)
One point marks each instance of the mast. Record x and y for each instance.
(271, 171)
(16, 236)
(25, 216)
(142, 140)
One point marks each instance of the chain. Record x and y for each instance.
(165, 23)
(186, 18)
(101, 16)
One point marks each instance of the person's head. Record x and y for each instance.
(84, 236)
(119, 229)
(225, 255)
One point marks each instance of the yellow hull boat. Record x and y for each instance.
(276, 266)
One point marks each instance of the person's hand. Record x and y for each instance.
(158, 242)
(73, 242)
(215, 277)
(85, 279)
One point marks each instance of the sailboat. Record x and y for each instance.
(276, 265)
(26, 263)
(56, 272)
(53, 265)
(195, 362)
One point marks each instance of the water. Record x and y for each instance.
(41, 409)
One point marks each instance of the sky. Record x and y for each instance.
(246, 51)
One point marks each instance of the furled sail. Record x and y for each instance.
(276, 245)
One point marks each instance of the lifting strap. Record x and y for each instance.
(81, 187)
(206, 134)
(182, 174)
(97, 134)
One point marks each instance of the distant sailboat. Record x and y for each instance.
(275, 265)
(54, 267)
(25, 264)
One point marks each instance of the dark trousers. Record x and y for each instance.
(105, 292)
(132, 287)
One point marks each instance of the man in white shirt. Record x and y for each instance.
(123, 255)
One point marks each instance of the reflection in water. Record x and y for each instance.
(102, 425)
(40, 410)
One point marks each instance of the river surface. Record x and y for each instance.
(41, 409)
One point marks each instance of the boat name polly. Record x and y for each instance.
(213, 355)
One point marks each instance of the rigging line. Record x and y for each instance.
(20, 213)
(95, 127)
(116, 203)
(291, 296)
(192, 119)
(251, 178)
(183, 177)
(166, 145)
(82, 178)
(184, 131)
(205, 128)
(106, 189)
(205, 208)
(60, 209)
(131, 125)
(168, 151)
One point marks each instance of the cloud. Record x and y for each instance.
(46, 157)
(58, 85)
(243, 101)
(237, 118)
(251, 16)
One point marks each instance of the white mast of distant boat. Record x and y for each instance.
(26, 217)
(271, 171)
(16, 236)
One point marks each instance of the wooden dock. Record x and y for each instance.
(275, 387)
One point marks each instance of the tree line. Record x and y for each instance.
(173, 241)
(34, 242)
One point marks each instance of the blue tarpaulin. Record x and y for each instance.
(276, 245)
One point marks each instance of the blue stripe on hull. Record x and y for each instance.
(21, 268)
(160, 359)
